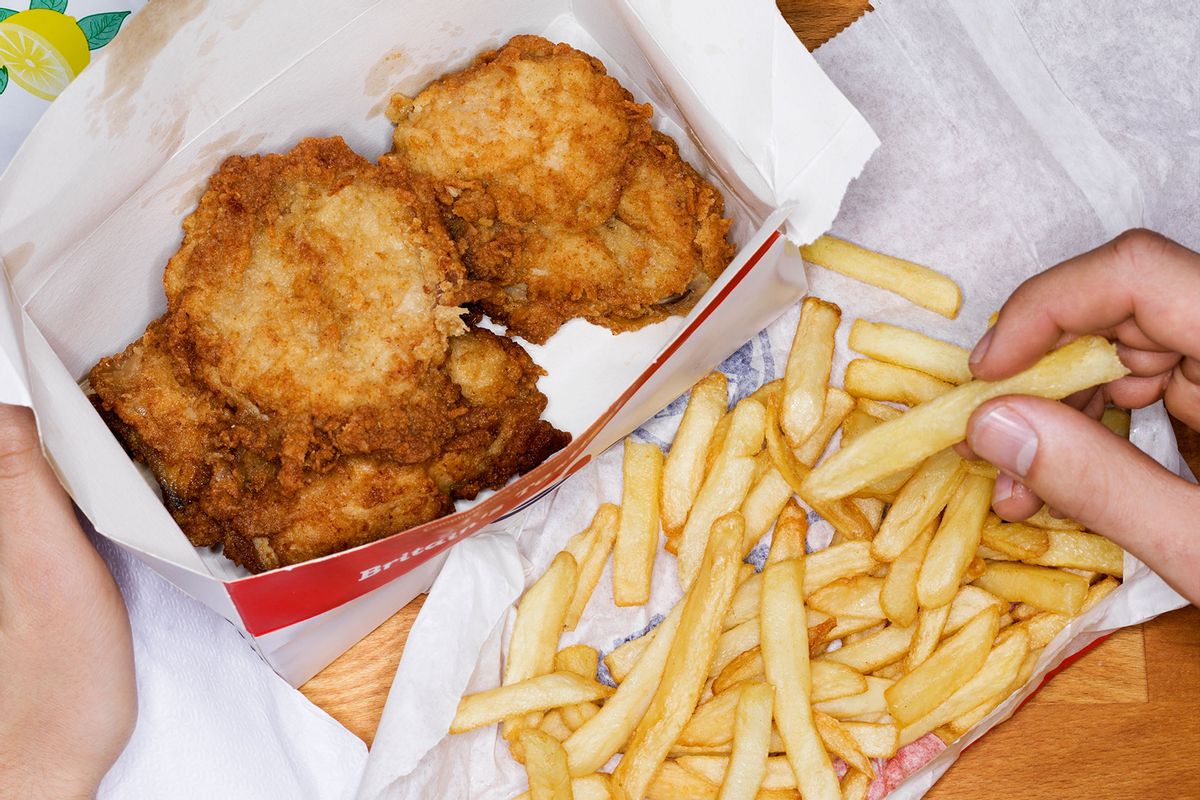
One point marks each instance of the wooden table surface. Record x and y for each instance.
(1121, 722)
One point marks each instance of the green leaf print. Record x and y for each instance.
(5, 13)
(101, 28)
(3, 79)
(54, 5)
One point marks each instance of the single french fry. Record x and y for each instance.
(762, 506)
(950, 667)
(551, 690)
(935, 425)
(731, 644)
(840, 743)
(918, 504)
(855, 786)
(686, 669)
(1014, 539)
(856, 424)
(786, 662)
(878, 650)
(967, 604)
(898, 597)
(553, 724)
(583, 661)
(851, 597)
(602, 533)
(623, 659)
(878, 380)
(683, 471)
(546, 767)
(540, 615)
(1044, 587)
(930, 624)
(875, 740)
(915, 283)
(953, 546)
(808, 366)
(908, 348)
(778, 775)
(1079, 550)
(1043, 627)
(1042, 518)
(751, 743)
(791, 534)
(827, 684)
(868, 704)
(637, 534)
(590, 787)
(1116, 420)
(672, 782)
(746, 601)
(837, 405)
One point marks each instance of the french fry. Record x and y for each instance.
(898, 597)
(807, 373)
(746, 601)
(953, 546)
(673, 782)
(930, 624)
(967, 604)
(872, 509)
(597, 740)
(878, 650)
(791, 533)
(836, 562)
(941, 422)
(623, 659)
(996, 674)
(827, 682)
(551, 690)
(880, 411)
(731, 644)
(917, 284)
(553, 724)
(583, 661)
(855, 786)
(546, 767)
(1116, 420)
(1079, 550)
(751, 743)
(1014, 539)
(851, 597)
(870, 703)
(907, 348)
(837, 405)
(950, 667)
(762, 505)
(1042, 518)
(589, 787)
(637, 534)
(918, 504)
(715, 445)
(840, 743)
(602, 533)
(875, 740)
(858, 423)
(687, 664)
(1042, 628)
(683, 471)
(778, 775)
(878, 380)
(540, 616)
(785, 659)
(1044, 587)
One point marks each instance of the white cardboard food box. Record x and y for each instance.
(90, 211)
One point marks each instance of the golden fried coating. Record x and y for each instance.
(531, 132)
(559, 194)
(319, 288)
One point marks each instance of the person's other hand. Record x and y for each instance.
(68, 701)
(1142, 291)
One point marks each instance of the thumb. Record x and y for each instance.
(1083, 470)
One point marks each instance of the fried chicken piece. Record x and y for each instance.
(533, 131)
(320, 291)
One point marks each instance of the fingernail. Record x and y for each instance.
(981, 349)
(1004, 438)
(1003, 490)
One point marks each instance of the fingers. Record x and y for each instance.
(1139, 276)
(1081, 469)
(1014, 501)
(1182, 398)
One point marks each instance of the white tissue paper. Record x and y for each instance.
(1015, 135)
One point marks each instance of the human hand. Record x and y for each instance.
(68, 701)
(1143, 291)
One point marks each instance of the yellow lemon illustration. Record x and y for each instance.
(43, 50)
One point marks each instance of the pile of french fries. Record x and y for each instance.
(923, 614)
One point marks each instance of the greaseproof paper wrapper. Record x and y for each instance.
(188, 84)
(989, 172)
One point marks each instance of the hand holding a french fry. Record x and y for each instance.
(1143, 291)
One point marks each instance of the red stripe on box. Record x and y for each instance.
(283, 597)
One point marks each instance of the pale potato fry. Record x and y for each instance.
(875, 740)
(827, 683)
(762, 505)
(908, 348)
(880, 411)
(898, 597)
(673, 782)
(930, 624)
(837, 405)
(715, 445)
(844, 626)
(851, 597)
(751, 743)
(949, 668)
(589, 787)
(858, 423)
(745, 603)
(1078, 550)
(584, 661)
(602, 533)
(778, 775)
(577, 715)
(1014, 539)
(791, 534)
(872, 509)
(683, 471)
(933, 426)
(1024, 611)
(892, 672)
(1044, 587)
(855, 786)
(551, 690)
(807, 373)
(1042, 628)
(786, 662)
(553, 724)
(686, 669)
(997, 673)
(1044, 519)
(917, 284)
(878, 650)
(953, 546)
(863, 706)
(540, 616)
(840, 743)
(1116, 420)
(637, 534)
(918, 504)
(731, 644)
(623, 659)
(594, 743)
(836, 562)
(967, 604)
(877, 380)
(546, 767)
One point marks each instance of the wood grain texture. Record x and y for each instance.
(1123, 721)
